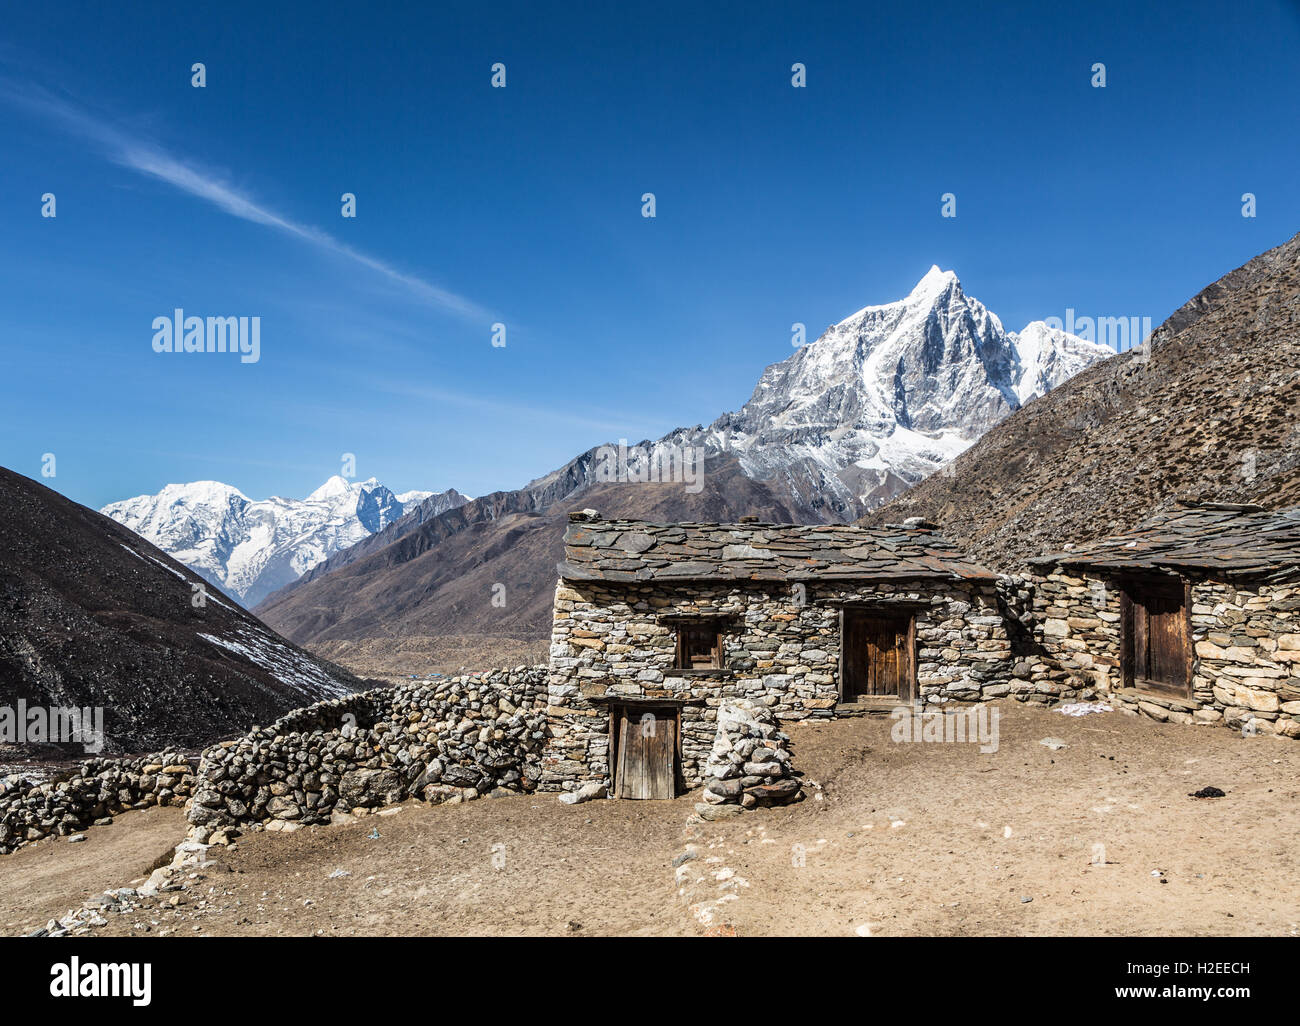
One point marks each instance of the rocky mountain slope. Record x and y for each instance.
(251, 548)
(92, 615)
(876, 402)
(1207, 411)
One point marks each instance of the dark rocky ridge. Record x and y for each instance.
(93, 615)
(1209, 414)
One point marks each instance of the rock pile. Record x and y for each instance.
(91, 795)
(749, 766)
(450, 741)
(189, 859)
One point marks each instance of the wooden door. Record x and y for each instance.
(647, 753)
(1155, 614)
(876, 656)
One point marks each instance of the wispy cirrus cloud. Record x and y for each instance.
(513, 411)
(127, 150)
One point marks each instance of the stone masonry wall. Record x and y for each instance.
(1246, 649)
(1076, 624)
(781, 650)
(450, 741)
(92, 794)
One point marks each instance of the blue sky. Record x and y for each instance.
(523, 205)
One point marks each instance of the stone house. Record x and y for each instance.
(656, 625)
(1193, 617)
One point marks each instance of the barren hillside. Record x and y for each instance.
(1210, 413)
(439, 578)
(92, 615)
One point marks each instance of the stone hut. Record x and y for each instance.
(1192, 617)
(656, 625)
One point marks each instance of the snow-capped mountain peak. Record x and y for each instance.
(336, 487)
(201, 493)
(891, 393)
(251, 548)
(934, 283)
(932, 287)
(1049, 356)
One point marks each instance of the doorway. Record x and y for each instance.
(876, 656)
(1156, 652)
(645, 756)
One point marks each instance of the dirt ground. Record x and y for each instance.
(41, 881)
(1101, 837)
(1097, 838)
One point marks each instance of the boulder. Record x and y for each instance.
(367, 788)
(725, 788)
(587, 792)
(778, 793)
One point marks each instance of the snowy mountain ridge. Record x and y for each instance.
(250, 548)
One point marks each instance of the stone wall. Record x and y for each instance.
(781, 651)
(1075, 623)
(450, 741)
(96, 791)
(1247, 656)
(1246, 649)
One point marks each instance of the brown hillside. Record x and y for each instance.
(92, 615)
(438, 579)
(1211, 413)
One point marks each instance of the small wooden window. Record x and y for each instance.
(699, 646)
(1157, 646)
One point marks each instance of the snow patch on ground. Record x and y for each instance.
(283, 663)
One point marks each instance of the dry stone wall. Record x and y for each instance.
(449, 741)
(1247, 657)
(96, 791)
(1075, 623)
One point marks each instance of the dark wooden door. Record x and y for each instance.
(877, 657)
(647, 753)
(1156, 614)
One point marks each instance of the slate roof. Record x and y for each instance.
(634, 550)
(1231, 540)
